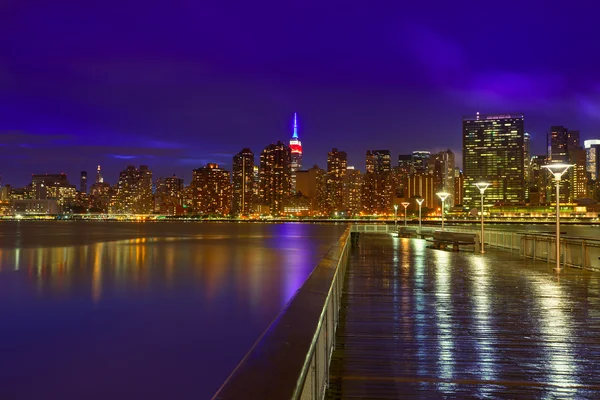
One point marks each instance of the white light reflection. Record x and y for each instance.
(443, 318)
(421, 309)
(486, 353)
(555, 324)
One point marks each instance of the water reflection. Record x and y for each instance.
(171, 307)
(555, 327)
(443, 319)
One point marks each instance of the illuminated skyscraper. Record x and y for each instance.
(169, 196)
(312, 183)
(420, 160)
(353, 190)
(99, 178)
(296, 153)
(133, 191)
(493, 151)
(592, 150)
(378, 194)
(275, 176)
(337, 162)
(441, 166)
(211, 187)
(243, 182)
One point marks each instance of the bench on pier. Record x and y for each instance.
(405, 232)
(441, 239)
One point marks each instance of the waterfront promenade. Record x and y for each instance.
(422, 323)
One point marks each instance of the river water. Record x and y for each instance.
(98, 310)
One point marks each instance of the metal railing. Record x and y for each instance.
(578, 252)
(291, 359)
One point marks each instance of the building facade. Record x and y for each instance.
(243, 182)
(337, 163)
(494, 151)
(133, 191)
(211, 190)
(296, 153)
(275, 176)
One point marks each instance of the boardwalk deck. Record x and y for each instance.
(424, 323)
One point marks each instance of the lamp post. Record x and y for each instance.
(482, 186)
(396, 216)
(443, 196)
(420, 201)
(405, 204)
(557, 170)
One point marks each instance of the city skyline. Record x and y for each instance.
(215, 79)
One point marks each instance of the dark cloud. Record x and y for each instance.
(179, 84)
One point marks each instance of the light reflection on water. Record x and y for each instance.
(109, 310)
(443, 309)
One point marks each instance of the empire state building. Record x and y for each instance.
(296, 150)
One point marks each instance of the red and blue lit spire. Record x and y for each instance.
(295, 134)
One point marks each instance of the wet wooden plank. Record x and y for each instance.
(423, 323)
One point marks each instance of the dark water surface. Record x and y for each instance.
(97, 310)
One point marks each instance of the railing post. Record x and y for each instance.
(583, 255)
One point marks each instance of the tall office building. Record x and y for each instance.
(133, 191)
(312, 184)
(577, 175)
(211, 187)
(337, 163)
(99, 178)
(420, 160)
(378, 194)
(592, 154)
(494, 151)
(564, 147)
(420, 185)
(83, 182)
(243, 182)
(378, 161)
(353, 189)
(168, 198)
(296, 153)
(538, 180)
(459, 182)
(275, 176)
(441, 167)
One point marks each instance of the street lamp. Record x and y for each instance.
(558, 170)
(405, 204)
(482, 186)
(420, 201)
(443, 196)
(396, 216)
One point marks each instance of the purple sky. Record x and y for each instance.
(180, 83)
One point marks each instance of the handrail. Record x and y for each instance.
(291, 358)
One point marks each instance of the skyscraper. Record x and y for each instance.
(378, 194)
(420, 160)
(296, 153)
(337, 162)
(83, 182)
(493, 151)
(441, 166)
(169, 195)
(275, 176)
(243, 182)
(133, 194)
(564, 147)
(353, 189)
(592, 150)
(211, 188)
(99, 178)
